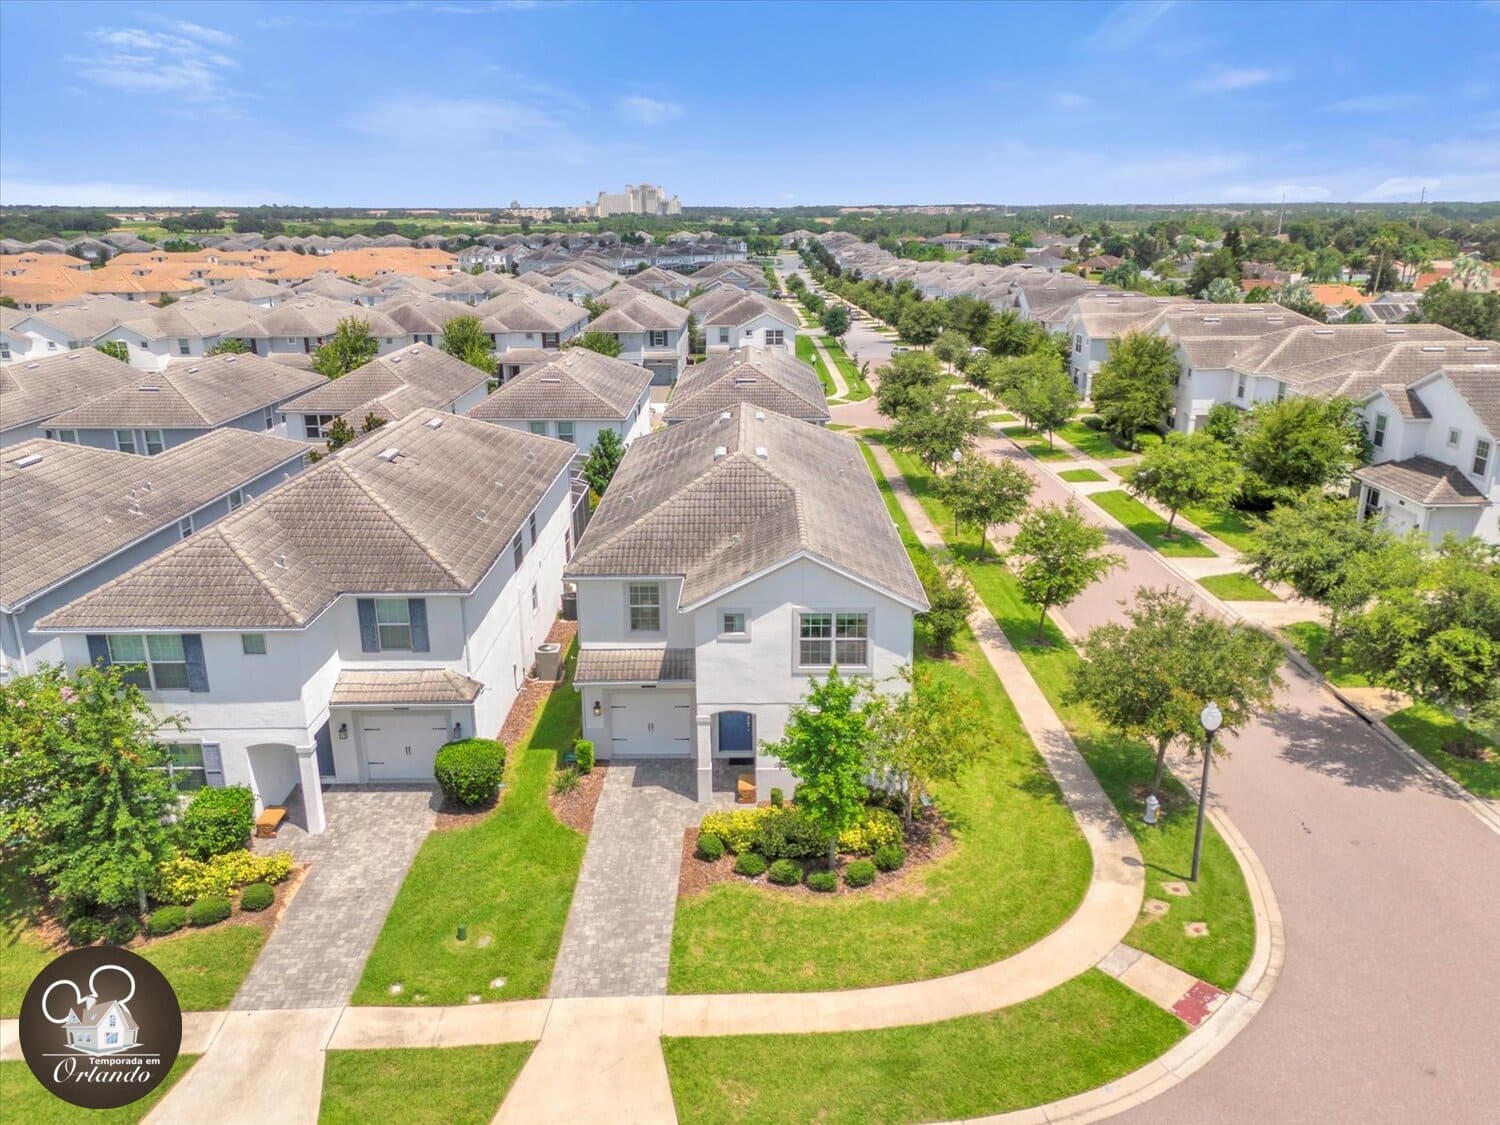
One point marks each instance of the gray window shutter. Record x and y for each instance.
(369, 630)
(416, 610)
(197, 669)
(213, 765)
(98, 649)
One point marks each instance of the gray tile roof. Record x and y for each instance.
(442, 377)
(87, 318)
(635, 666)
(721, 498)
(731, 306)
(515, 310)
(576, 385)
(640, 311)
(206, 393)
(310, 317)
(192, 318)
(770, 380)
(77, 506)
(32, 391)
(1424, 480)
(361, 687)
(432, 519)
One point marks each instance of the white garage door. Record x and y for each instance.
(400, 745)
(651, 724)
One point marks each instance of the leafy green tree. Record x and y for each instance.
(1221, 263)
(1183, 470)
(1126, 275)
(828, 746)
(1300, 443)
(605, 343)
(83, 783)
(952, 347)
(835, 319)
(1057, 555)
(1473, 314)
(229, 345)
(1222, 291)
(983, 494)
(949, 603)
(906, 381)
(926, 734)
(1009, 335)
(115, 349)
(1045, 396)
(1136, 385)
(1470, 271)
(936, 426)
(1223, 424)
(373, 422)
(970, 315)
(464, 338)
(1149, 680)
(603, 459)
(351, 346)
(1298, 296)
(920, 323)
(339, 433)
(7, 301)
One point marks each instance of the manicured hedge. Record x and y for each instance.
(166, 920)
(257, 896)
(217, 821)
(860, 873)
(470, 771)
(208, 910)
(710, 847)
(748, 863)
(785, 873)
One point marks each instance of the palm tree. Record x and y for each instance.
(1469, 271)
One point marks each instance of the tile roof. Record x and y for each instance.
(577, 384)
(1423, 480)
(515, 310)
(720, 498)
(640, 311)
(362, 687)
(88, 317)
(32, 391)
(431, 518)
(303, 317)
(1479, 384)
(769, 380)
(77, 505)
(731, 306)
(635, 665)
(443, 378)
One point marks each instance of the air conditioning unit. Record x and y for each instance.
(549, 663)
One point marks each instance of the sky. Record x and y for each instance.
(469, 103)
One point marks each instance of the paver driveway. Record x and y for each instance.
(315, 956)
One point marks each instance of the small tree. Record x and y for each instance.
(1135, 386)
(605, 343)
(906, 381)
(603, 459)
(935, 428)
(1045, 395)
(920, 322)
(1298, 444)
(115, 349)
(1058, 555)
(984, 493)
(949, 603)
(229, 345)
(835, 319)
(339, 434)
(1222, 291)
(1185, 469)
(373, 422)
(828, 746)
(351, 346)
(464, 338)
(925, 734)
(952, 347)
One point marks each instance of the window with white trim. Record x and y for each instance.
(723, 335)
(1454, 437)
(236, 498)
(775, 337)
(644, 602)
(155, 443)
(269, 417)
(733, 624)
(1481, 457)
(1377, 439)
(539, 428)
(184, 347)
(153, 661)
(565, 431)
(658, 339)
(393, 619)
(517, 551)
(184, 527)
(551, 339)
(69, 436)
(184, 765)
(125, 441)
(825, 639)
(253, 644)
(531, 526)
(316, 425)
(1239, 386)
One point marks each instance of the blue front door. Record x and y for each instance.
(736, 732)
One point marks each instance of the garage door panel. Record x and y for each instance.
(650, 725)
(401, 746)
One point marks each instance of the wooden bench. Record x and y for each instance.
(269, 821)
(744, 789)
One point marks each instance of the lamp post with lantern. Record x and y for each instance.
(1211, 718)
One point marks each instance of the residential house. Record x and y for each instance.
(34, 391)
(664, 283)
(343, 627)
(304, 324)
(734, 558)
(733, 318)
(738, 275)
(765, 380)
(573, 397)
(183, 330)
(1097, 319)
(391, 386)
(67, 326)
(516, 319)
(652, 331)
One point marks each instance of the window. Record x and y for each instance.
(565, 431)
(645, 607)
(184, 347)
(1378, 438)
(291, 340)
(154, 442)
(269, 416)
(531, 526)
(1481, 457)
(550, 339)
(517, 550)
(4, 349)
(253, 644)
(155, 661)
(69, 436)
(393, 617)
(184, 765)
(775, 337)
(825, 639)
(1239, 386)
(538, 428)
(184, 527)
(1372, 503)
(125, 441)
(1078, 343)
(723, 335)
(732, 623)
(658, 339)
(1280, 391)
(236, 498)
(314, 424)
(1454, 436)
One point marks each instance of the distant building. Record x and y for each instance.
(643, 199)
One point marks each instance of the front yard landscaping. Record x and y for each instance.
(807, 353)
(858, 388)
(1434, 733)
(508, 878)
(1236, 588)
(1150, 526)
(1081, 476)
(1095, 443)
(1080, 1035)
(23, 1098)
(1310, 638)
(1225, 524)
(420, 1085)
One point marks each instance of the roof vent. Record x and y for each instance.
(74, 355)
(26, 462)
(482, 515)
(720, 452)
(762, 452)
(192, 371)
(725, 417)
(433, 423)
(147, 486)
(1212, 319)
(34, 366)
(1476, 348)
(230, 358)
(1395, 332)
(389, 454)
(148, 387)
(280, 562)
(760, 415)
(1433, 348)
(548, 379)
(1322, 331)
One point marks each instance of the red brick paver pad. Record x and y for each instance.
(1199, 1003)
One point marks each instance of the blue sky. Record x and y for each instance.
(473, 103)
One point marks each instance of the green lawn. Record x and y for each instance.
(24, 1099)
(1080, 476)
(1236, 588)
(1124, 770)
(1096, 443)
(509, 878)
(858, 388)
(1150, 526)
(420, 1085)
(1080, 1035)
(1311, 640)
(807, 353)
(1043, 452)
(1427, 729)
(1020, 868)
(1224, 524)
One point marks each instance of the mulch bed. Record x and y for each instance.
(576, 809)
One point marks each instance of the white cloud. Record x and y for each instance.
(1270, 193)
(104, 193)
(1375, 103)
(1233, 78)
(454, 121)
(1068, 100)
(1127, 24)
(195, 31)
(648, 111)
(187, 61)
(1399, 187)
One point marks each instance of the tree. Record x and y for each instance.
(1298, 296)
(1223, 424)
(936, 426)
(1149, 680)
(984, 493)
(828, 747)
(1135, 387)
(1221, 263)
(1470, 271)
(1186, 469)
(1126, 275)
(1473, 314)
(373, 422)
(920, 323)
(1057, 555)
(115, 349)
(7, 301)
(1222, 291)
(83, 782)
(603, 459)
(949, 603)
(339, 433)
(970, 315)
(835, 319)
(1044, 395)
(1299, 443)
(605, 343)
(952, 347)
(229, 345)
(906, 381)
(925, 734)
(1009, 335)
(351, 346)
(465, 338)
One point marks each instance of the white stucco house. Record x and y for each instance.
(343, 627)
(734, 318)
(574, 397)
(734, 557)
(652, 331)
(182, 331)
(38, 390)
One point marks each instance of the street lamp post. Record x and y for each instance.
(958, 456)
(1211, 718)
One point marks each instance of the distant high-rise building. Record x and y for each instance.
(645, 199)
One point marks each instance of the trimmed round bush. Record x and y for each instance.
(121, 928)
(710, 847)
(583, 755)
(470, 770)
(166, 920)
(778, 798)
(785, 833)
(85, 930)
(892, 857)
(257, 896)
(208, 910)
(217, 821)
(860, 873)
(751, 864)
(823, 881)
(877, 828)
(785, 873)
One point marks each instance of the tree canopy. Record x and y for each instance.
(465, 338)
(1135, 387)
(936, 425)
(1057, 555)
(925, 734)
(603, 459)
(983, 493)
(1299, 443)
(350, 346)
(605, 343)
(1185, 469)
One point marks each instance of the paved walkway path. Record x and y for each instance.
(840, 387)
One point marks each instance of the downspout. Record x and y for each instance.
(15, 629)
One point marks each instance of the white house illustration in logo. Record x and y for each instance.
(94, 1026)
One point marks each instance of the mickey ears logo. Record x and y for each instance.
(100, 1027)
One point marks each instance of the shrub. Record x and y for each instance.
(878, 828)
(166, 920)
(470, 770)
(749, 864)
(184, 879)
(736, 827)
(778, 798)
(85, 930)
(823, 881)
(208, 910)
(121, 928)
(860, 873)
(583, 754)
(217, 821)
(890, 857)
(786, 833)
(1093, 422)
(566, 780)
(710, 847)
(785, 873)
(257, 896)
